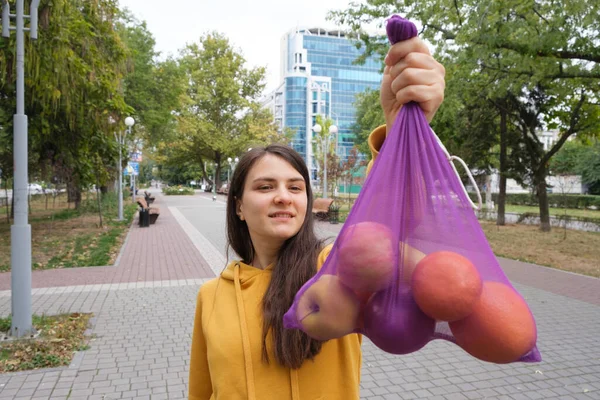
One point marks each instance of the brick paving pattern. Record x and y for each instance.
(143, 314)
(161, 252)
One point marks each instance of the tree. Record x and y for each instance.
(369, 115)
(349, 169)
(541, 56)
(578, 158)
(322, 139)
(220, 115)
(72, 80)
(152, 88)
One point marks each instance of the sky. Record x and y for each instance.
(253, 27)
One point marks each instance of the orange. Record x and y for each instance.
(446, 286)
(501, 328)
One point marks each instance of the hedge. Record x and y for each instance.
(581, 201)
(177, 191)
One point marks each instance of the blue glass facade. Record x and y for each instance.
(295, 111)
(334, 57)
(319, 78)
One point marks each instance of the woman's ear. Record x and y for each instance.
(238, 209)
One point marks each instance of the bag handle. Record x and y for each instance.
(450, 160)
(399, 29)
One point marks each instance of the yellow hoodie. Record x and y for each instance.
(226, 356)
(226, 361)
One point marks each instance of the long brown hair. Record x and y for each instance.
(295, 264)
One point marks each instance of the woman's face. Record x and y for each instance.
(273, 202)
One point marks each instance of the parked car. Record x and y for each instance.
(35, 188)
(224, 189)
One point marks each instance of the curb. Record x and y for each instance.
(118, 260)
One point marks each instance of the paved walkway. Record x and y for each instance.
(161, 252)
(143, 313)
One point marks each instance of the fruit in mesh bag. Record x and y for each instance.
(501, 328)
(328, 309)
(394, 322)
(446, 286)
(409, 258)
(366, 257)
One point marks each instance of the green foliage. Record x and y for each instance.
(536, 63)
(220, 115)
(151, 87)
(579, 201)
(178, 191)
(577, 158)
(369, 116)
(72, 78)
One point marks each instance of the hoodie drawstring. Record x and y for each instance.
(246, 344)
(245, 335)
(295, 385)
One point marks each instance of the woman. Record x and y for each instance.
(239, 347)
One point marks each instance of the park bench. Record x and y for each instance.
(149, 198)
(148, 215)
(321, 208)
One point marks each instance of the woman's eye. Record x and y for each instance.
(296, 188)
(264, 187)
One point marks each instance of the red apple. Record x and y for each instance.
(328, 309)
(366, 257)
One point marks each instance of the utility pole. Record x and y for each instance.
(20, 231)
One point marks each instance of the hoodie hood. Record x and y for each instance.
(243, 276)
(247, 273)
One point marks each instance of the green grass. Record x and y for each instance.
(62, 215)
(63, 237)
(100, 254)
(60, 336)
(573, 212)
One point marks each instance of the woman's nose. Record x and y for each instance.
(283, 196)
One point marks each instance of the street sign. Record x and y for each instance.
(135, 166)
(132, 168)
(135, 156)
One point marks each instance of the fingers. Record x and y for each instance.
(415, 77)
(398, 51)
(415, 60)
(419, 93)
(412, 74)
(429, 97)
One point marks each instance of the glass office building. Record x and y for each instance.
(319, 77)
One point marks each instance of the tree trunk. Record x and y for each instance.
(73, 194)
(7, 206)
(543, 200)
(99, 204)
(502, 184)
(349, 188)
(218, 171)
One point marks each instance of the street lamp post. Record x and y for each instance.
(20, 231)
(231, 163)
(129, 121)
(214, 188)
(325, 146)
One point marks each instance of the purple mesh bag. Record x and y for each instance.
(411, 263)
